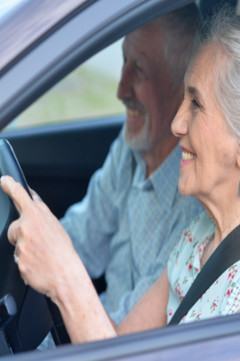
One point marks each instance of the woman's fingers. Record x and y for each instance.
(42, 246)
(16, 192)
(13, 233)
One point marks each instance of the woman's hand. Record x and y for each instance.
(48, 262)
(43, 247)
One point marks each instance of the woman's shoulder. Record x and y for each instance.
(230, 280)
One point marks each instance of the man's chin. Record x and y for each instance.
(139, 141)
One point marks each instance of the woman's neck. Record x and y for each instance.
(226, 216)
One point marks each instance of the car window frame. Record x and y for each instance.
(52, 62)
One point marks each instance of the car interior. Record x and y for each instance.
(57, 161)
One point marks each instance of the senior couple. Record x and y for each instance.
(207, 124)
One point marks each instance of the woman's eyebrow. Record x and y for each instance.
(193, 91)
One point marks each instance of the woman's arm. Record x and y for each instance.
(49, 263)
(82, 312)
(150, 310)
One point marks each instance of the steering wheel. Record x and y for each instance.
(33, 320)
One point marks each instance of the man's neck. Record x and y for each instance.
(158, 155)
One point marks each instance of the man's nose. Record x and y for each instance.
(125, 86)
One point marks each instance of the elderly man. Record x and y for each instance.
(133, 214)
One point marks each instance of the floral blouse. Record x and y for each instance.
(223, 296)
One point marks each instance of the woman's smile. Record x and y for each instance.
(187, 157)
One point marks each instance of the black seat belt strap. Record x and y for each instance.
(226, 254)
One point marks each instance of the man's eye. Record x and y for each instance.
(139, 69)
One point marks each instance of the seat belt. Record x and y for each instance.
(225, 255)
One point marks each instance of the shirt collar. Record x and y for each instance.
(164, 181)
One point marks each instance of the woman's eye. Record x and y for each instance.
(195, 103)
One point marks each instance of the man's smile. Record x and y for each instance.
(133, 113)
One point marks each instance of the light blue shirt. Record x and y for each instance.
(126, 226)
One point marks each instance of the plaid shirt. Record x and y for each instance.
(126, 226)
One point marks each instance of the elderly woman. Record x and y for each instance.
(208, 123)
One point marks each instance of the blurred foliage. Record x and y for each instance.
(85, 93)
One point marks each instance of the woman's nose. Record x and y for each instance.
(179, 124)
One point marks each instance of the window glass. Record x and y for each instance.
(88, 92)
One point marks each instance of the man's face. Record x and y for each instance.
(146, 91)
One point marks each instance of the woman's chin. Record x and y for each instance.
(185, 191)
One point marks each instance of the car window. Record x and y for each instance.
(88, 92)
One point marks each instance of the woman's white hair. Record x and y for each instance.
(224, 32)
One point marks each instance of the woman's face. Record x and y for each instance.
(210, 153)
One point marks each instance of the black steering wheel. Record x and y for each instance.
(32, 320)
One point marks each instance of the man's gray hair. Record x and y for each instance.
(179, 29)
(224, 32)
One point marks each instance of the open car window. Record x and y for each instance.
(88, 92)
